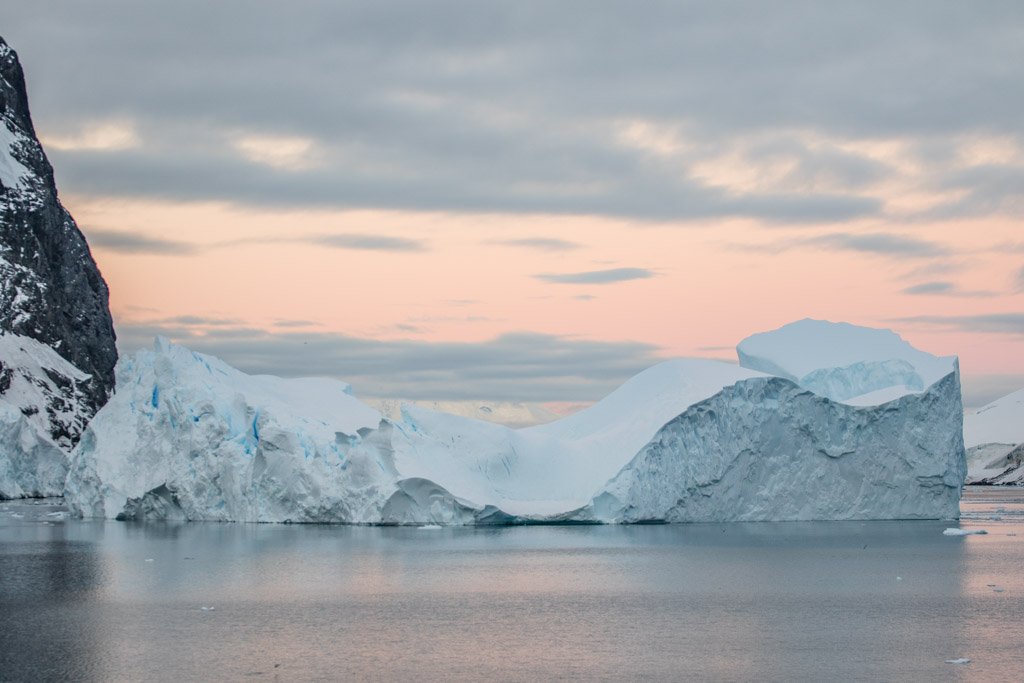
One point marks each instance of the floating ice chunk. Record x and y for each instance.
(429, 527)
(149, 559)
(958, 660)
(952, 531)
(207, 609)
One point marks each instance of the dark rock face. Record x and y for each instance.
(50, 287)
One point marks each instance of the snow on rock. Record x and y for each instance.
(185, 435)
(13, 173)
(50, 287)
(994, 436)
(44, 387)
(844, 362)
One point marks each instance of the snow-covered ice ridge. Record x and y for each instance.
(994, 437)
(186, 436)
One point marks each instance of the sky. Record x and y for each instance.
(532, 201)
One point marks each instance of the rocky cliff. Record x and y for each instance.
(50, 288)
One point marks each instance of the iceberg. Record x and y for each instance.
(855, 424)
(994, 437)
(186, 436)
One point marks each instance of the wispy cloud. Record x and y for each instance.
(366, 242)
(876, 243)
(539, 243)
(130, 243)
(883, 244)
(945, 288)
(996, 323)
(597, 277)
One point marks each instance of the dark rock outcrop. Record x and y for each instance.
(50, 287)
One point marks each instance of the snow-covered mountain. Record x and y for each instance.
(186, 436)
(57, 351)
(994, 436)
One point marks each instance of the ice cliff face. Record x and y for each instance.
(994, 436)
(188, 437)
(766, 449)
(50, 288)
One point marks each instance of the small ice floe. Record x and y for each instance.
(57, 515)
(997, 589)
(958, 660)
(207, 609)
(149, 559)
(953, 531)
(429, 527)
(17, 515)
(899, 578)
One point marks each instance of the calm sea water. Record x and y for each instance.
(800, 601)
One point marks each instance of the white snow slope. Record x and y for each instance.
(41, 408)
(994, 436)
(186, 436)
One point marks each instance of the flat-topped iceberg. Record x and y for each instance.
(186, 436)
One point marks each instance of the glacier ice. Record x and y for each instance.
(42, 412)
(31, 465)
(186, 436)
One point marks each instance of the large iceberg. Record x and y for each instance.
(186, 436)
(994, 437)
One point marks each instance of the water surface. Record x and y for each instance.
(824, 600)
